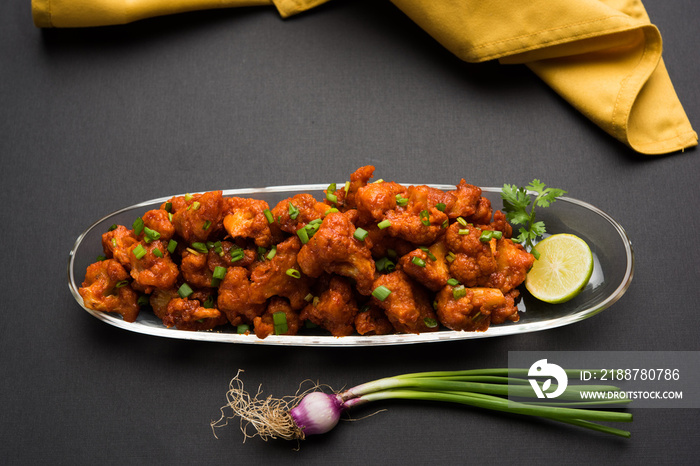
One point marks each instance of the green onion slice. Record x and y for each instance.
(381, 292)
(138, 226)
(459, 292)
(139, 251)
(219, 272)
(200, 247)
(360, 234)
(418, 261)
(453, 282)
(268, 216)
(425, 217)
(384, 224)
(293, 211)
(294, 273)
(185, 290)
(172, 244)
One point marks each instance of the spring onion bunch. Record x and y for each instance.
(314, 411)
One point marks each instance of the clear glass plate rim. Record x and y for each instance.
(351, 341)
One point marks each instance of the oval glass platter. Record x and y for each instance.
(612, 274)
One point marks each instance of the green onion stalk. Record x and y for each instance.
(314, 411)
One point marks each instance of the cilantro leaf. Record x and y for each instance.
(516, 202)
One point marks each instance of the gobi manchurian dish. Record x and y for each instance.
(372, 258)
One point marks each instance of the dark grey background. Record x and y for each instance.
(96, 120)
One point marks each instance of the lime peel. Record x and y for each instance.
(563, 269)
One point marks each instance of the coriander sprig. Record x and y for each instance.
(516, 201)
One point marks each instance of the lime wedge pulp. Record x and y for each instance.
(563, 269)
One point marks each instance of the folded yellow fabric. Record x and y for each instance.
(602, 56)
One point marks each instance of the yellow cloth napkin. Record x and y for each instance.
(601, 56)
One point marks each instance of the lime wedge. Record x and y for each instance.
(563, 269)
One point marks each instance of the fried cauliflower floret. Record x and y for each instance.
(333, 249)
(463, 201)
(105, 289)
(335, 309)
(296, 212)
(270, 278)
(264, 325)
(234, 298)
(153, 270)
(374, 200)
(116, 244)
(474, 260)
(408, 307)
(419, 221)
(512, 265)
(195, 269)
(189, 314)
(158, 220)
(371, 320)
(228, 254)
(198, 217)
(427, 267)
(470, 312)
(245, 218)
(359, 178)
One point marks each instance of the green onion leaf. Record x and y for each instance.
(360, 234)
(185, 290)
(138, 226)
(219, 272)
(462, 222)
(425, 217)
(440, 206)
(453, 282)
(206, 225)
(463, 231)
(381, 292)
(139, 251)
(459, 292)
(384, 264)
(268, 216)
(121, 283)
(303, 235)
(384, 224)
(330, 193)
(242, 329)
(272, 253)
(279, 319)
(430, 323)
(151, 235)
(200, 247)
(401, 201)
(293, 273)
(157, 253)
(237, 254)
(113, 227)
(293, 211)
(418, 261)
(172, 244)
(168, 206)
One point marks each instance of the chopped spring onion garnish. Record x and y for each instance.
(381, 292)
(293, 211)
(185, 290)
(172, 244)
(138, 226)
(488, 235)
(188, 197)
(261, 253)
(272, 253)
(453, 282)
(316, 412)
(391, 254)
(459, 292)
(425, 217)
(206, 225)
(384, 224)
(347, 187)
(463, 231)
(121, 283)
(462, 222)
(440, 206)
(294, 273)
(200, 247)
(401, 201)
(151, 235)
(219, 272)
(208, 303)
(430, 323)
(113, 227)
(418, 261)
(330, 193)
(450, 257)
(360, 234)
(139, 251)
(114, 242)
(268, 216)
(431, 256)
(168, 207)
(243, 328)
(279, 319)
(303, 235)
(385, 264)
(237, 254)
(157, 253)
(143, 300)
(195, 205)
(100, 258)
(308, 297)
